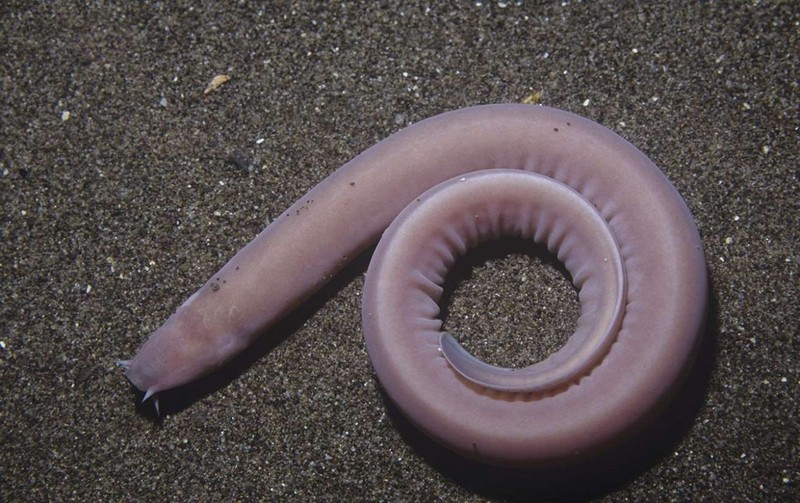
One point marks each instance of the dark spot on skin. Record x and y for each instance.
(555, 129)
(304, 207)
(237, 267)
(568, 124)
(352, 184)
(214, 286)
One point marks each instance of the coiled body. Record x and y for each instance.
(598, 203)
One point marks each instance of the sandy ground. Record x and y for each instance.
(124, 187)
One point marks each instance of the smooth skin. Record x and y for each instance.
(463, 177)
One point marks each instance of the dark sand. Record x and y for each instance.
(115, 213)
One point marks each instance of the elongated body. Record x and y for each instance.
(609, 214)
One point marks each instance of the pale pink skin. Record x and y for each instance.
(609, 214)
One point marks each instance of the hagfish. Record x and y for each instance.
(435, 190)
